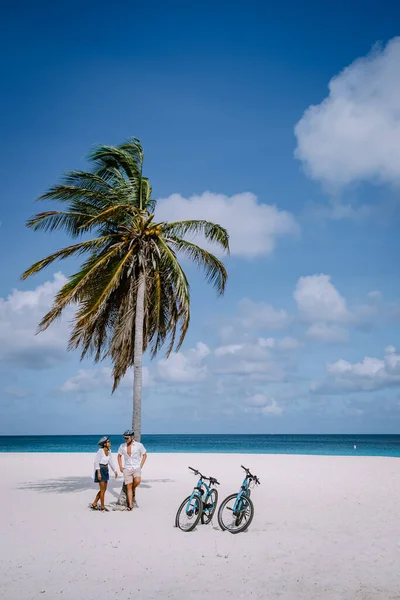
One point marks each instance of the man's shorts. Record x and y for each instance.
(130, 474)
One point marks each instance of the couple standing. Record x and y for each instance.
(134, 456)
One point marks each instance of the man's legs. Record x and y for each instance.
(129, 491)
(128, 480)
(136, 482)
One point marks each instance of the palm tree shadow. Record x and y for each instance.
(67, 485)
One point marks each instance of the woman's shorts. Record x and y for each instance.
(105, 476)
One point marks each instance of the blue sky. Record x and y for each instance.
(306, 338)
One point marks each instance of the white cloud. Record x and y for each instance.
(16, 392)
(20, 314)
(251, 351)
(319, 301)
(366, 312)
(252, 360)
(285, 344)
(263, 359)
(263, 405)
(269, 342)
(375, 295)
(259, 315)
(257, 400)
(100, 378)
(185, 366)
(322, 332)
(354, 134)
(253, 227)
(336, 210)
(368, 375)
(255, 370)
(251, 318)
(87, 380)
(272, 409)
(288, 343)
(227, 333)
(390, 350)
(229, 349)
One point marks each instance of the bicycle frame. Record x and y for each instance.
(198, 492)
(244, 491)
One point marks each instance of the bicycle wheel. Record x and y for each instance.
(209, 507)
(189, 513)
(237, 520)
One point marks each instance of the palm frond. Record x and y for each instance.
(174, 274)
(108, 214)
(88, 181)
(113, 157)
(90, 309)
(73, 290)
(69, 221)
(69, 193)
(211, 231)
(214, 269)
(87, 246)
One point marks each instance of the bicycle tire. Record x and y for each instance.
(206, 516)
(196, 517)
(245, 525)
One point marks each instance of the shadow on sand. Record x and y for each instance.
(65, 485)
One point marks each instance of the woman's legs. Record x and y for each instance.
(94, 505)
(102, 492)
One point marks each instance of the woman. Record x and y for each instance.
(101, 476)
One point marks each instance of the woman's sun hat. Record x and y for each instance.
(103, 440)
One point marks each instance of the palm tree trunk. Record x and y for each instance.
(137, 360)
(137, 373)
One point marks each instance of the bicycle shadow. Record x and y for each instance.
(68, 485)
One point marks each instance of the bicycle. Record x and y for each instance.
(201, 504)
(237, 510)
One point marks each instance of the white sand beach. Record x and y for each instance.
(324, 527)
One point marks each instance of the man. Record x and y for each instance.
(135, 456)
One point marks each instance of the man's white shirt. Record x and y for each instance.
(135, 459)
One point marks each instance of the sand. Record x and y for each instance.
(324, 527)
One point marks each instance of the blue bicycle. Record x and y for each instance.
(201, 504)
(237, 510)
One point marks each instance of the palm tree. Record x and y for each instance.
(131, 291)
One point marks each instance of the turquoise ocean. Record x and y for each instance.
(339, 445)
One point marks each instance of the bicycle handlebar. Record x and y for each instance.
(249, 474)
(212, 480)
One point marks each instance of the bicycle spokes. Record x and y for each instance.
(236, 513)
(189, 513)
(201, 504)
